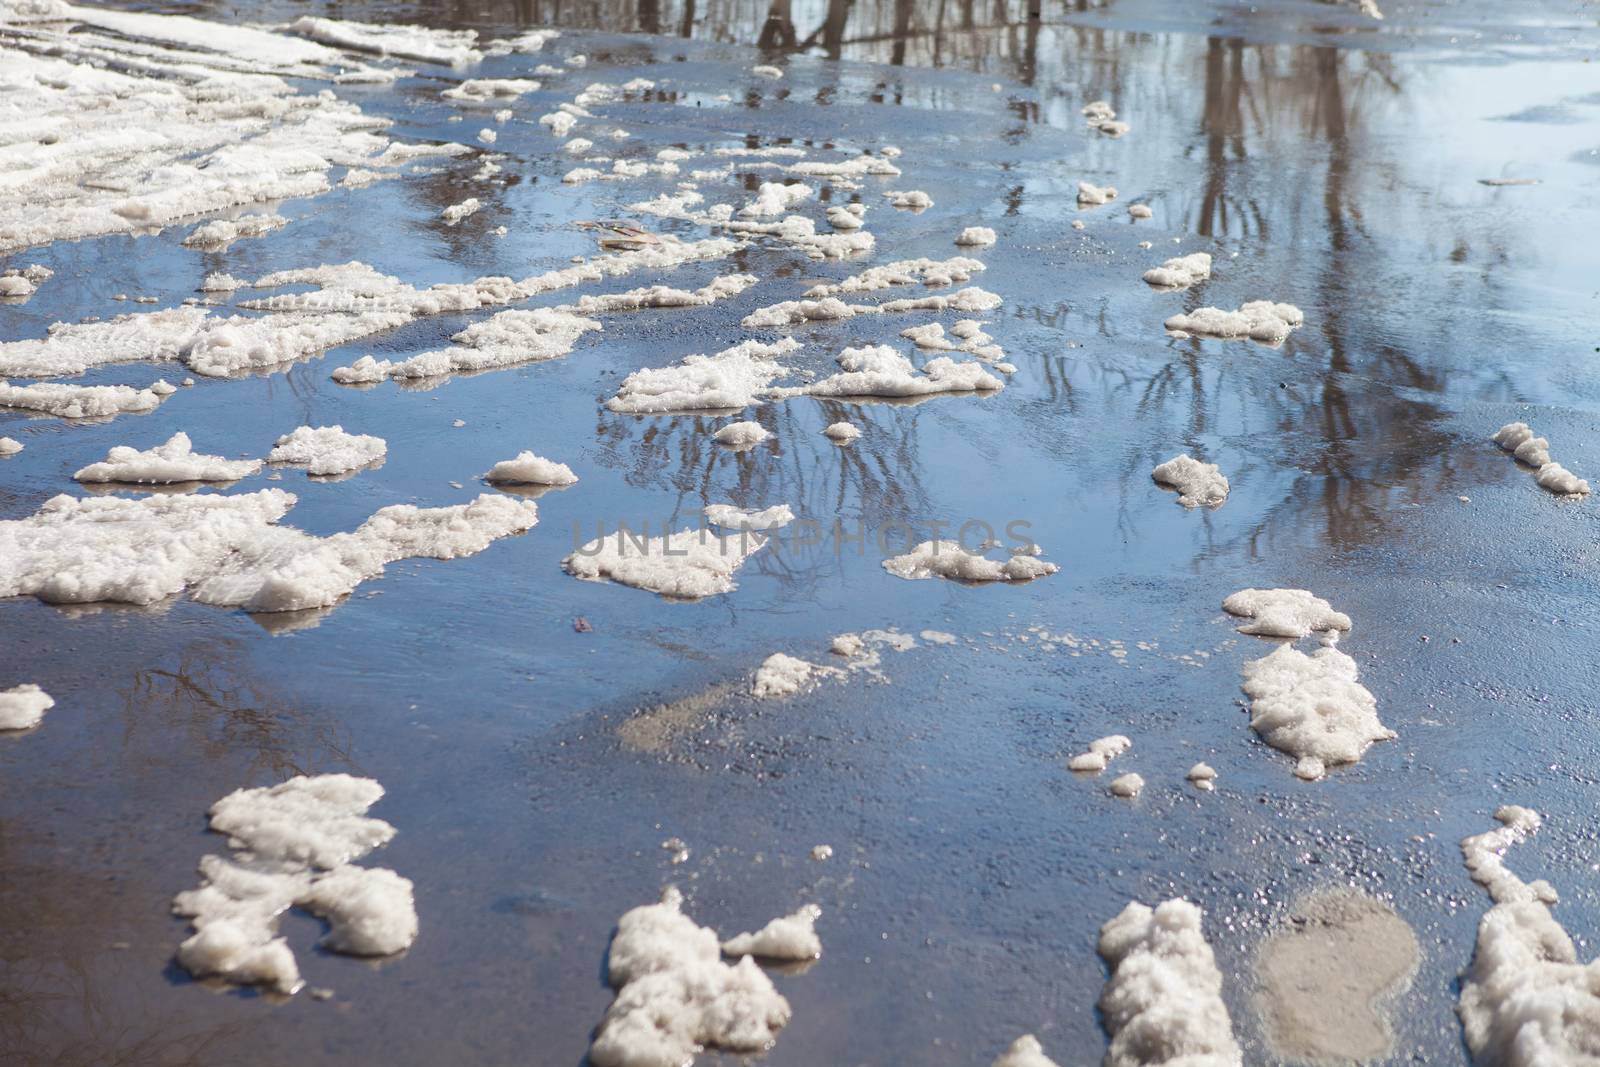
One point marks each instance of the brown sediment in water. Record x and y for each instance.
(1328, 978)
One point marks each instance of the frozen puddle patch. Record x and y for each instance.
(1198, 484)
(948, 559)
(229, 551)
(295, 846)
(1163, 1002)
(1312, 707)
(328, 450)
(1259, 320)
(22, 707)
(172, 463)
(1526, 1001)
(1518, 439)
(676, 996)
(1292, 613)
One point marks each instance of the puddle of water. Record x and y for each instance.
(1338, 160)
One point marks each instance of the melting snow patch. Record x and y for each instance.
(775, 198)
(676, 996)
(456, 212)
(1163, 1002)
(1290, 613)
(166, 464)
(1025, 1051)
(9, 446)
(731, 518)
(219, 233)
(791, 937)
(22, 707)
(767, 72)
(1100, 753)
(880, 371)
(741, 434)
(484, 90)
(327, 450)
(1518, 439)
(781, 675)
(1180, 272)
(975, 237)
(1198, 484)
(1100, 116)
(911, 199)
(1312, 707)
(79, 401)
(947, 559)
(1139, 211)
(296, 843)
(685, 564)
(529, 469)
(229, 550)
(730, 380)
(841, 433)
(1259, 320)
(1203, 775)
(449, 47)
(930, 272)
(1526, 1001)
(1091, 195)
(1128, 785)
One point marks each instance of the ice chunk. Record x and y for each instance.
(676, 996)
(1198, 484)
(166, 464)
(484, 90)
(1284, 612)
(1163, 1002)
(529, 469)
(22, 707)
(947, 559)
(841, 433)
(1180, 272)
(741, 434)
(1259, 320)
(1312, 707)
(9, 446)
(327, 450)
(791, 937)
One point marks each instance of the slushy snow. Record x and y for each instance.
(789, 937)
(22, 707)
(1518, 439)
(1100, 753)
(975, 237)
(327, 450)
(529, 469)
(166, 464)
(1259, 320)
(947, 559)
(1312, 707)
(1025, 1051)
(841, 433)
(295, 844)
(676, 996)
(1198, 484)
(683, 564)
(1284, 612)
(741, 434)
(1163, 1003)
(1180, 272)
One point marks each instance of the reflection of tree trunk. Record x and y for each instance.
(1030, 46)
(833, 28)
(649, 16)
(778, 32)
(686, 27)
(1222, 121)
(902, 28)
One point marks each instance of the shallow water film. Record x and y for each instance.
(667, 531)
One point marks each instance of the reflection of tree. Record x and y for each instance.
(89, 862)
